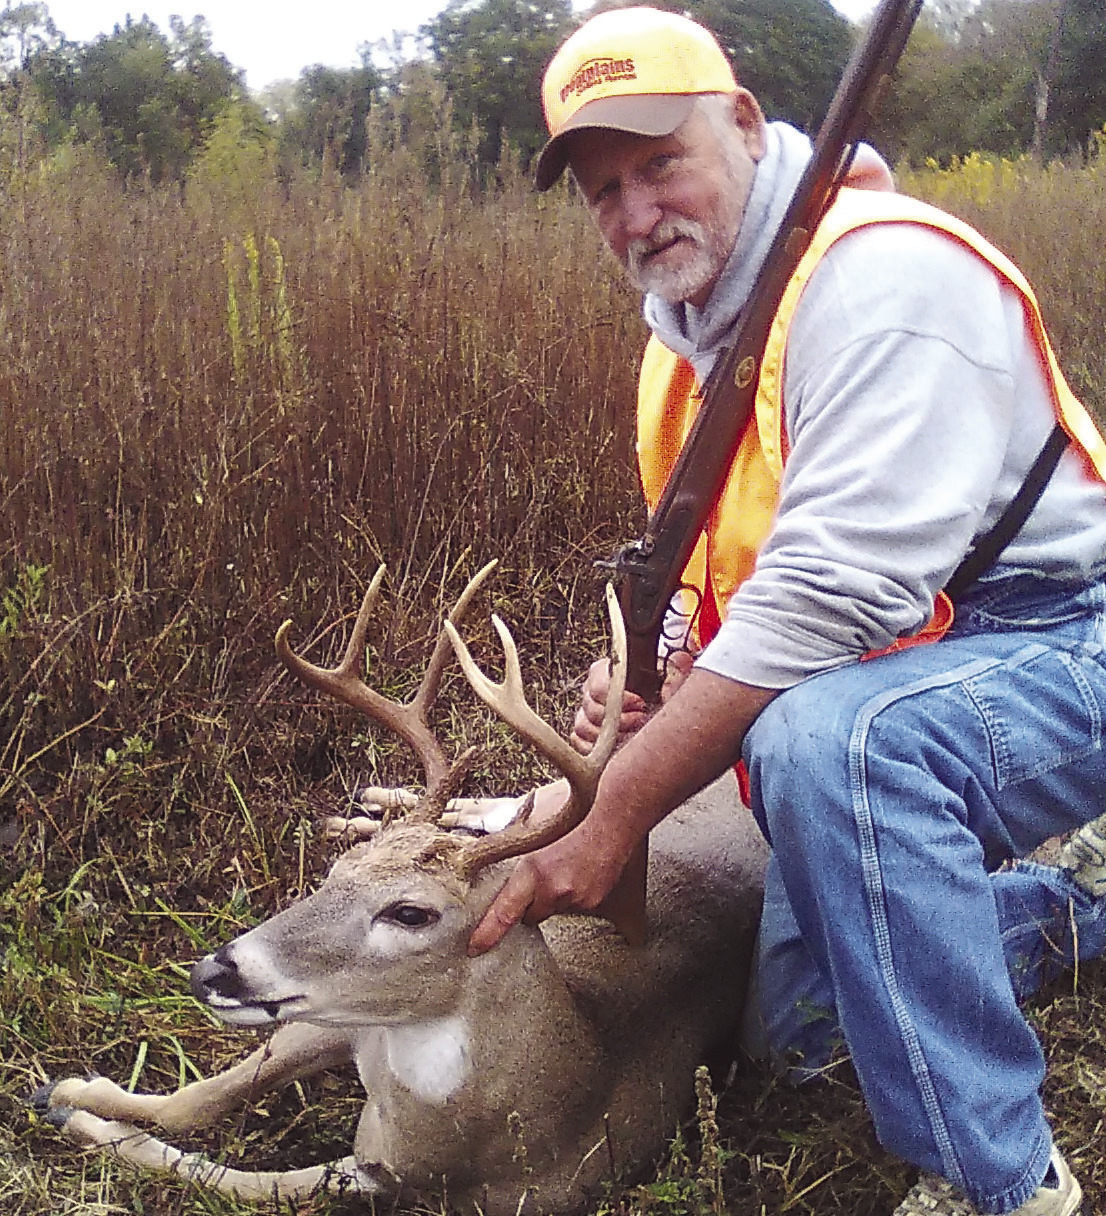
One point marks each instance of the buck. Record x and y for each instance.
(517, 1081)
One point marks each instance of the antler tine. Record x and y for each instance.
(344, 683)
(431, 681)
(608, 731)
(409, 721)
(508, 700)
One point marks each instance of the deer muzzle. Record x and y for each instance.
(216, 981)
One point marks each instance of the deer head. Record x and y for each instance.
(407, 900)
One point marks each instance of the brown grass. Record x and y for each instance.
(222, 406)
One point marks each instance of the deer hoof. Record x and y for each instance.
(58, 1116)
(360, 827)
(39, 1101)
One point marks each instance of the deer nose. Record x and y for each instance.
(216, 975)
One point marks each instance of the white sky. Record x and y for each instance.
(276, 39)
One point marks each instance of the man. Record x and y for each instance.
(906, 390)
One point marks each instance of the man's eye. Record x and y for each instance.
(410, 916)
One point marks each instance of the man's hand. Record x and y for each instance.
(691, 741)
(574, 874)
(593, 704)
(676, 670)
(635, 712)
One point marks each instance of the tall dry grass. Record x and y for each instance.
(222, 405)
(226, 404)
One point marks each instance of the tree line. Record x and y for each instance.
(1005, 77)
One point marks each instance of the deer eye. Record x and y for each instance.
(410, 916)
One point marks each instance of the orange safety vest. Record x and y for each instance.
(743, 516)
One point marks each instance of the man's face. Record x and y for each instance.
(670, 207)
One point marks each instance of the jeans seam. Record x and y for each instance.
(874, 894)
(1094, 712)
(1026, 1187)
(1007, 771)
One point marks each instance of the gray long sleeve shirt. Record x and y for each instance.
(914, 403)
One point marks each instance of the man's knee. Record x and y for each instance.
(799, 732)
(801, 751)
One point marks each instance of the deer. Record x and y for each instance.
(519, 1081)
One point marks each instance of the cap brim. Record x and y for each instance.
(641, 114)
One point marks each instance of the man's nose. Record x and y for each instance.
(641, 210)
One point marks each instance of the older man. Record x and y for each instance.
(905, 392)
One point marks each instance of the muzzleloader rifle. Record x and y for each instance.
(651, 567)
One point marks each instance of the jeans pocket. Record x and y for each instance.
(1044, 616)
(1079, 614)
(1040, 709)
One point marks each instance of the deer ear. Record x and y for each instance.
(624, 907)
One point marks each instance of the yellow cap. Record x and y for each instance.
(629, 69)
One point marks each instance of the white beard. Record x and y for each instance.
(700, 259)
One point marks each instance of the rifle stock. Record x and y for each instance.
(651, 567)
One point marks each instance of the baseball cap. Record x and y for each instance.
(629, 69)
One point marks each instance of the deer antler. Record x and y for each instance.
(508, 700)
(407, 720)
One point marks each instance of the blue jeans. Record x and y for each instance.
(892, 791)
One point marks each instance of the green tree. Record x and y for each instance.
(1011, 38)
(1076, 79)
(999, 76)
(491, 57)
(966, 83)
(151, 99)
(790, 53)
(326, 112)
(26, 30)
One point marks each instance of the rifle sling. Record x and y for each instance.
(982, 555)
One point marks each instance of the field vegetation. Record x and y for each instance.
(224, 402)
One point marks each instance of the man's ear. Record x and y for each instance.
(749, 119)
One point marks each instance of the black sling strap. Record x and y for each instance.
(984, 552)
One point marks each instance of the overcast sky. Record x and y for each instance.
(276, 39)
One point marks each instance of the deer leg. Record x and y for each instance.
(474, 814)
(129, 1144)
(296, 1050)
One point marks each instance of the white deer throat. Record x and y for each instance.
(431, 1059)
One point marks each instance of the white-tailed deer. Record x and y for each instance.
(518, 1081)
